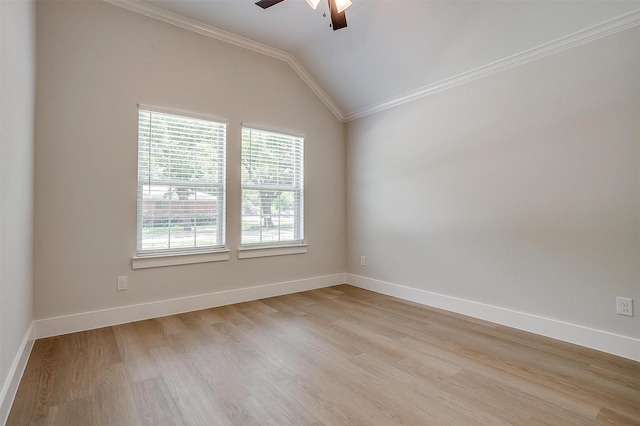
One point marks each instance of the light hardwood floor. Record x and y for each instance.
(334, 356)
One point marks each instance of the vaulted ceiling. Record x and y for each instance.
(393, 50)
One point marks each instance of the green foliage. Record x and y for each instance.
(271, 173)
(180, 150)
(181, 166)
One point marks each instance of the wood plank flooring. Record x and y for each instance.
(334, 356)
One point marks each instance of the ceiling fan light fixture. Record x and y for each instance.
(341, 5)
(313, 3)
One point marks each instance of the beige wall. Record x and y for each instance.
(96, 62)
(520, 190)
(17, 106)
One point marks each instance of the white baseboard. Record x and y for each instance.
(623, 346)
(10, 386)
(107, 317)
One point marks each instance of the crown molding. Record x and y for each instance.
(596, 32)
(578, 38)
(227, 37)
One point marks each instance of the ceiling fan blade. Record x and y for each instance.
(338, 20)
(267, 3)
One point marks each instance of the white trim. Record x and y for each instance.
(261, 128)
(262, 251)
(141, 262)
(595, 32)
(315, 87)
(10, 386)
(180, 113)
(615, 344)
(107, 317)
(218, 34)
(587, 35)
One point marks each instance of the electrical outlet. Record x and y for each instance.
(363, 261)
(122, 283)
(624, 306)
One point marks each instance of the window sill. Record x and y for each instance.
(265, 251)
(141, 262)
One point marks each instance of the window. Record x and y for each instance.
(272, 188)
(181, 183)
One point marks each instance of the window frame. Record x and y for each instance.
(297, 245)
(152, 257)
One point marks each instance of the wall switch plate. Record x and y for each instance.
(624, 306)
(363, 261)
(122, 283)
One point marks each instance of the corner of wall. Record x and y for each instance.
(10, 386)
(623, 346)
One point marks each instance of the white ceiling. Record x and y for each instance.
(392, 48)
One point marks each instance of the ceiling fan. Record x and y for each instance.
(337, 8)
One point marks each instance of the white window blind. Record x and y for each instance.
(181, 183)
(272, 188)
